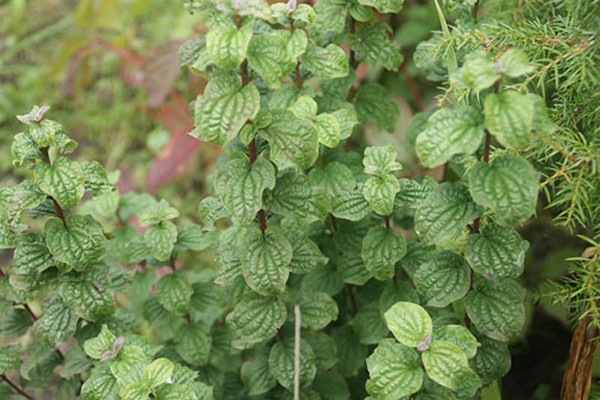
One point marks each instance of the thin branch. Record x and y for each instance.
(413, 87)
(297, 352)
(16, 387)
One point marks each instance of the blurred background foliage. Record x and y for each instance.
(109, 69)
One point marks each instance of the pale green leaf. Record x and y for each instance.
(211, 210)
(477, 73)
(371, 41)
(31, 254)
(95, 347)
(381, 160)
(449, 132)
(265, 260)
(158, 372)
(79, 242)
(57, 324)
(381, 250)
(445, 364)
(63, 180)
(173, 292)
(380, 192)
(373, 104)
(346, 118)
(328, 129)
(160, 240)
(410, 323)
(459, 336)
(509, 117)
(443, 280)
(304, 108)
(101, 385)
(317, 310)
(281, 363)
(384, 6)
(95, 177)
(227, 46)
(9, 359)
(24, 150)
(445, 213)
(496, 252)
(156, 213)
(194, 344)
(508, 186)
(514, 63)
(326, 63)
(269, 55)
(136, 391)
(224, 107)
(394, 371)
(497, 308)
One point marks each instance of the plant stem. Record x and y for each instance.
(353, 63)
(35, 318)
(297, 338)
(334, 223)
(350, 293)
(16, 387)
(413, 87)
(244, 72)
(386, 219)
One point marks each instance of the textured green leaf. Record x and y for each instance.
(136, 391)
(369, 325)
(224, 108)
(325, 349)
(156, 213)
(95, 347)
(395, 292)
(335, 178)
(373, 104)
(57, 324)
(318, 310)
(381, 160)
(211, 210)
(394, 371)
(128, 366)
(410, 323)
(190, 236)
(323, 279)
(492, 360)
(194, 343)
(9, 359)
(496, 308)
(381, 250)
(44, 132)
(176, 392)
(270, 55)
(477, 73)
(328, 129)
(346, 118)
(380, 192)
(173, 292)
(352, 269)
(413, 192)
(304, 108)
(445, 363)
(514, 63)
(443, 280)
(15, 323)
(240, 185)
(265, 260)
(281, 363)
(326, 63)
(371, 41)
(496, 252)
(351, 352)
(160, 240)
(31, 255)
(14, 200)
(445, 213)
(509, 117)
(24, 150)
(256, 375)
(294, 142)
(384, 6)
(255, 319)
(158, 372)
(508, 186)
(132, 204)
(296, 196)
(227, 46)
(449, 132)
(63, 180)
(459, 336)
(306, 255)
(79, 242)
(330, 17)
(95, 177)
(101, 385)
(88, 299)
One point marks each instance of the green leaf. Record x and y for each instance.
(477, 73)
(158, 372)
(190, 236)
(176, 392)
(443, 280)
(295, 196)
(97, 346)
(394, 371)
(381, 250)
(16, 322)
(508, 186)
(306, 255)
(325, 349)
(323, 279)
(160, 240)
(31, 254)
(445, 213)
(62, 180)
(95, 177)
(304, 108)
(57, 324)
(44, 132)
(445, 364)
(88, 299)
(335, 178)
(256, 375)
(224, 107)
(328, 130)
(101, 385)
(346, 118)
(352, 269)
(281, 363)
(318, 310)
(265, 260)
(173, 292)
(459, 336)
(496, 308)
(492, 360)
(255, 319)
(326, 63)
(9, 359)
(413, 192)
(157, 213)
(240, 185)
(373, 104)
(194, 343)
(211, 210)
(369, 325)
(350, 351)
(381, 160)
(509, 117)
(128, 366)
(496, 252)
(514, 63)
(395, 292)
(270, 56)
(24, 150)
(331, 385)
(371, 41)
(79, 242)
(330, 17)
(449, 132)
(294, 142)
(384, 6)
(136, 391)
(410, 323)
(380, 192)
(227, 46)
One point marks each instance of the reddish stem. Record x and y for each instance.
(244, 72)
(280, 334)
(333, 223)
(252, 151)
(387, 222)
(413, 87)
(297, 76)
(16, 387)
(262, 223)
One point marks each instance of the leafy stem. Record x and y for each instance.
(16, 387)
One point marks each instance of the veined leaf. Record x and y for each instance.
(459, 336)
(381, 250)
(373, 104)
(63, 180)
(256, 375)
(384, 6)
(509, 117)
(160, 240)
(328, 129)
(79, 242)
(227, 46)
(296, 196)
(445, 363)
(88, 299)
(57, 324)
(371, 41)
(158, 372)
(157, 213)
(443, 280)
(194, 343)
(410, 323)
(318, 310)
(31, 254)
(326, 63)
(492, 360)
(381, 160)
(281, 363)
(173, 292)
(269, 55)
(380, 192)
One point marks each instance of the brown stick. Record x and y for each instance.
(16, 387)
(577, 380)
